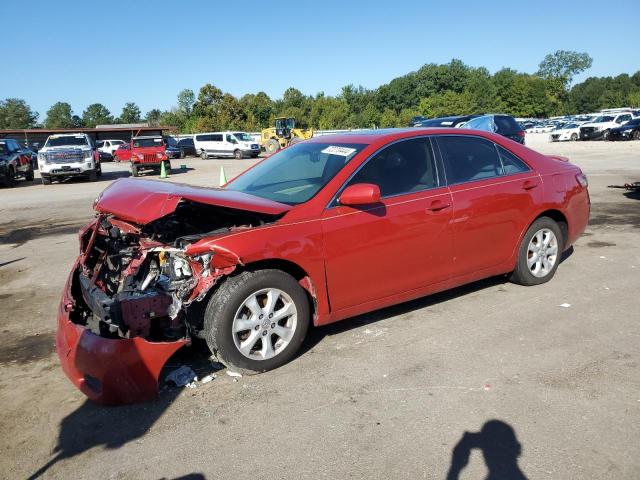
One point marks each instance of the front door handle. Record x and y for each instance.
(437, 205)
(529, 184)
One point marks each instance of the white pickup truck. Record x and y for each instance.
(68, 155)
(600, 126)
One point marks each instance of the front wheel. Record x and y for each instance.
(9, 177)
(134, 170)
(605, 135)
(203, 155)
(539, 253)
(574, 137)
(257, 320)
(29, 175)
(636, 135)
(272, 146)
(93, 176)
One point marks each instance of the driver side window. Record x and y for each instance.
(403, 167)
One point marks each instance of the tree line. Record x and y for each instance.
(432, 91)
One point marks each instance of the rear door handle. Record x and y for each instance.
(437, 205)
(529, 184)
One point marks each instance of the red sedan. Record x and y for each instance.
(323, 230)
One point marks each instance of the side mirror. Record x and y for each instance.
(360, 194)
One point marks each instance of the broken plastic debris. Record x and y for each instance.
(565, 305)
(234, 374)
(182, 376)
(208, 378)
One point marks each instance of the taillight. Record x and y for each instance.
(520, 133)
(582, 179)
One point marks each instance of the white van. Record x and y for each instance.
(226, 144)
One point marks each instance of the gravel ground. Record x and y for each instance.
(551, 390)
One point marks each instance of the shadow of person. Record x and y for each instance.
(500, 448)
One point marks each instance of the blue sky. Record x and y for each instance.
(117, 51)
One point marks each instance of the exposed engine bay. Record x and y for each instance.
(137, 280)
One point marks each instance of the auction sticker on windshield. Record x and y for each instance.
(342, 151)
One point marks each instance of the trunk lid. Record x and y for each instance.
(143, 201)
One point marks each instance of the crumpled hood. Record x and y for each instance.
(143, 201)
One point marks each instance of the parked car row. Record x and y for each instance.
(501, 124)
(15, 162)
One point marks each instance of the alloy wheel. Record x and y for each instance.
(264, 324)
(542, 253)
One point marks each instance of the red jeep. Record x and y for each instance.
(148, 153)
(123, 153)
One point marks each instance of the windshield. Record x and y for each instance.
(147, 142)
(603, 118)
(297, 173)
(71, 141)
(243, 137)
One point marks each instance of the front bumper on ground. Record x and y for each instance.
(109, 371)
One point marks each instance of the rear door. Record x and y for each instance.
(494, 194)
(397, 245)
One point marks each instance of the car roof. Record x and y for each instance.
(382, 135)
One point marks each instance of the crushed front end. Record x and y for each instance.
(135, 294)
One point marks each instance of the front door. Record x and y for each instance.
(398, 245)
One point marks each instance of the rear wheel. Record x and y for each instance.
(257, 320)
(237, 154)
(272, 146)
(636, 135)
(203, 155)
(539, 253)
(182, 154)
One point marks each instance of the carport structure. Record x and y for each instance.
(34, 138)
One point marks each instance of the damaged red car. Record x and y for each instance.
(323, 230)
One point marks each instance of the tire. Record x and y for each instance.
(93, 176)
(574, 137)
(272, 146)
(9, 179)
(116, 158)
(237, 154)
(295, 140)
(524, 274)
(134, 170)
(203, 155)
(636, 135)
(46, 180)
(605, 135)
(228, 303)
(29, 175)
(182, 154)
(167, 167)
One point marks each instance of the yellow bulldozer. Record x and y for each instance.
(282, 134)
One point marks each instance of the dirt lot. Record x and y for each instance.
(384, 395)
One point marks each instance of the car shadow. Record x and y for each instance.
(93, 425)
(499, 446)
(316, 335)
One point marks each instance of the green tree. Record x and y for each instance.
(186, 99)
(130, 113)
(15, 113)
(60, 115)
(96, 114)
(153, 117)
(564, 65)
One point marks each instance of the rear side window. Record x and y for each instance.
(404, 167)
(510, 163)
(216, 137)
(469, 158)
(506, 124)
